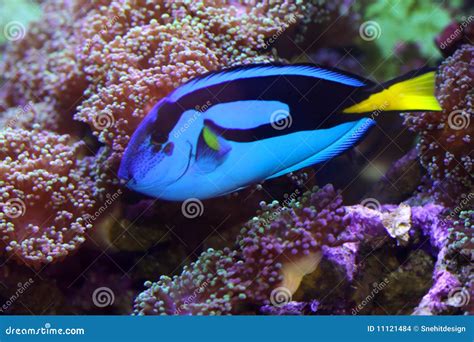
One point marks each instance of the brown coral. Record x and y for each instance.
(45, 194)
(445, 144)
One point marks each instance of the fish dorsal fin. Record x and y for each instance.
(265, 70)
(212, 148)
(346, 141)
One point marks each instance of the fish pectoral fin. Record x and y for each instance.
(212, 149)
(346, 141)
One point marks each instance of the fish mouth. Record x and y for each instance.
(144, 187)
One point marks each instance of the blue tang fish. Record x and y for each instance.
(226, 130)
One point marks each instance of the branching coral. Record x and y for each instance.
(45, 193)
(446, 137)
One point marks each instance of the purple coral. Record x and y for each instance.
(453, 288)
(284, 244)
(275, 250)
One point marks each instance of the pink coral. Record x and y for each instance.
(40, 115)
(281, 245)
(115, 59)
(43, 66)
(150, 49)
(45, 194)
(105, 63)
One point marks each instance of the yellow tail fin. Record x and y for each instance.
(402, 94)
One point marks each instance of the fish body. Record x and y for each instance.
(229, 129)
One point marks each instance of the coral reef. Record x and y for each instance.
(46, 193)
(74, 88)
(276, 249)
(446, 137)
(43, 67)
(40, 115)
(148, 50)
(278, 255)
(453, 287)
(56, 77)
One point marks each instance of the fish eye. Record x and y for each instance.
(157, 140)
(168, 149)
